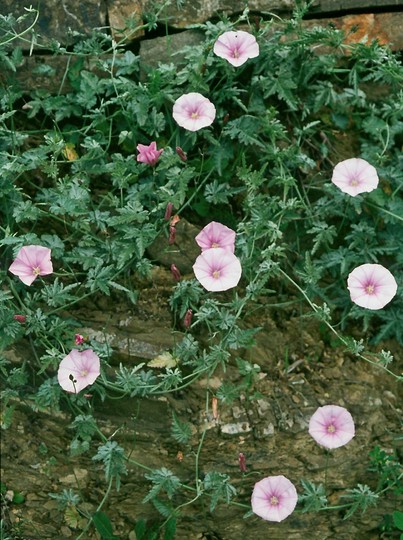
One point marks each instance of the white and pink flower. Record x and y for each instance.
(78, 370)
(274, 498)
(217, 269)
(332, 426)
(31, 262)
(355, 176)
(193, 111)
(215, 235)
(371, 286)
(236, 47)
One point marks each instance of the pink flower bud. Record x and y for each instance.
(78, 339)
(20, 318)
(187, 320)
(181, 153)
(242, 462)
(168, 211)
(175, 272)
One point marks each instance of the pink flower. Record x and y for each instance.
(354, 176)
(216, 235)
(31, 262)
(193, 111)
(217, 269)
(274, 498)
(236, 47)
(371, 286)
(20, 318)
(148, 154)
(78, 370)
(331, 426)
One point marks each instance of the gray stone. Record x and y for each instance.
(199, 11)
(166, 50)
(57, 19)
(182, 253)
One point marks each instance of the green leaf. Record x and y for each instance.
(103, 525)
(18, 498)
(398, 519)
(170, 529)
(180, 431)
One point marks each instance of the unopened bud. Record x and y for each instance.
(187, 320)
(168, 211)
(175, 272)
(181, 153)
(20, 318)
(78, 339)
(242, 462)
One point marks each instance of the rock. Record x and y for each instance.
(57, 19)
(165, 49)
(125, 17)
(199, 11)
(182, 253)
(365, 28)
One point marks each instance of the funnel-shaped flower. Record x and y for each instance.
(148, 154)
(274, 498)
(193, 111)
(355, 176)
(371, 286)
(331, 426)
(31, 262)
(217, 269)
(236, 47)
(215, 235)
(78, 370)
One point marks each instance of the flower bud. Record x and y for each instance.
(20, 318)
(168, 211)
(187, 320)
(78, 339)
(242, 462)
(181, 153)
(175, 272)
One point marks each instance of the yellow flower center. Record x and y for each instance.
(216, 274)
(36, 271)
(369, 289)
(331, 428)
(214, 245)
(236, 53)
(195, 115)
(354, 182)
(84, 372)
(273, 501)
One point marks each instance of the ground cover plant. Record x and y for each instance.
(280, 145)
